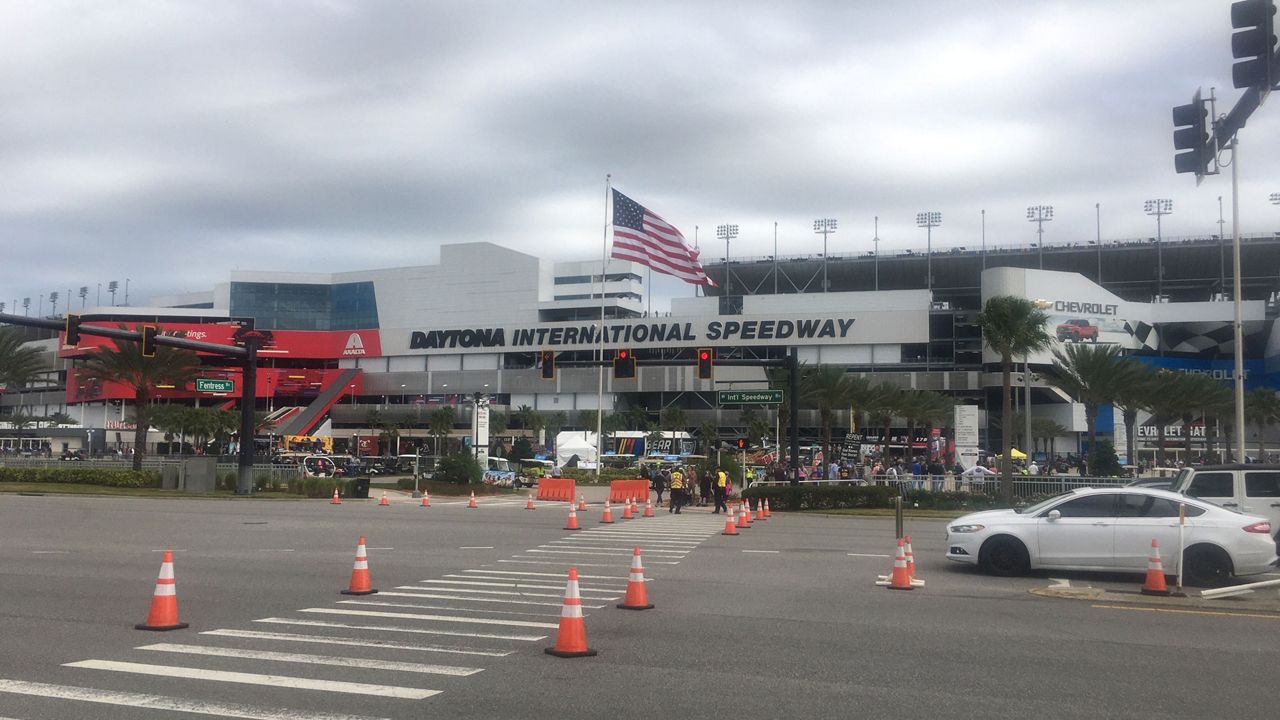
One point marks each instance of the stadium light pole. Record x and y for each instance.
(726, 233)
(1040, 214)
(1158, 209)
(824, 227)
(929, 221)
(1275, 198)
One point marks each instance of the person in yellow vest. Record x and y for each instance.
(721, 490)
(677, 491)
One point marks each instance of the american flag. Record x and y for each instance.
(641, 236)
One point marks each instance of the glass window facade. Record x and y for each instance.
(297, 306)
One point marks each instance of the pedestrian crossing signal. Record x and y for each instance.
(742, 444)
(624, 365)
(149, 333)
(705, 357)
(548, 362)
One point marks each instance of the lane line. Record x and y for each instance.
(383, 548)
(275, 550)
(502, 601)
(285, 681)
(870, 555)
(161, 702)
(400, 629)
(1213, 613)
(308, 659)
(50, 552)
(435, 618)
(476, 547)
(771, 552)
(354, 642)
(545, 613)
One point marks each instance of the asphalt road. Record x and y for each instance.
(781, 621)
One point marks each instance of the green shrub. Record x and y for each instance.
(459, 469)
(316, 487)
(82, 476)
(829, 497)
(607, 474)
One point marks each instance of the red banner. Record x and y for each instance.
(309, 344)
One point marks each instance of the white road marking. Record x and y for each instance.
(307, 659)
(379, 548)
(514, 585)
(355, 642)
(570, 551)
(436, 618)
(507, 593)
(522, 560)
(870, 555)
(616, 585)
(286, 681)
(658, 551)
(160, 702)
(579, 552)
(276, 550)
(658, 534)
(394, 628)
(50, 552)
(171, 550)
(467, 598)
(476, 547)
(562, 576)
(771, 552)
(643, 542)
(377, 603)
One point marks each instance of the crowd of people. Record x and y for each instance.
(686, 487)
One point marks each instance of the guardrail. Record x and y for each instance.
(1024, 486)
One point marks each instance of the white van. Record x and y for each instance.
(1248, 489)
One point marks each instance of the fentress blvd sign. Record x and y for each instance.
(207, 385)
(749, 397)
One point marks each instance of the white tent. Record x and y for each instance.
(576, 442)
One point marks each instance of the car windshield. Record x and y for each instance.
(1033, 509)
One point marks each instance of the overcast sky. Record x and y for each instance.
(172, 142)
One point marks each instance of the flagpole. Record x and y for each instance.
(604, 265)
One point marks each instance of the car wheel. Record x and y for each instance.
(1005, 556)
(1207, 566)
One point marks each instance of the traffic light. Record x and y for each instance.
(72, 330)
(742, 444)
(1191, 137)
(149, 333)
(705, 356)
(1252, 43)
(548, 360)
(624, 365)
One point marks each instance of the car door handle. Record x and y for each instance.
(1230, 505)
(1101, 524)
(1275, 504)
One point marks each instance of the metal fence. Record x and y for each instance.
(1024, 486)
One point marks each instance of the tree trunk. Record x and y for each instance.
(1091, 423)
(1186, 438)
(1160, 441)
(1131, 442)
(141, 400)
(1006, 440)
(826, 440)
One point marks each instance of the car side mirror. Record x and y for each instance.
(1053, 515)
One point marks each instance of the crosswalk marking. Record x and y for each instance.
(436, 618)
(559, 575)
(629, 541)
(437, 596)
(379, 603)
(356, 642)
(508, 593)
(241, 678)
(307, 659)
(595, 585)
(161, 702)
(655, 551)
(591, 554)
(400, 629)
(522, 560)
(517, 586)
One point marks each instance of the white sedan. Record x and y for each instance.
(1111, 529)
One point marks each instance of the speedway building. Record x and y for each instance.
(402, 341)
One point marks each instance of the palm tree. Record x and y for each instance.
(882, 406)
(1130, 397)
(1091, 374)
(708, 432)
(1202, 394)
(440, 423)
(125, 364)
(828, 388)
(19, 365)
(924, 408)
(1011, 327)
(675, 419)
(1165, 401)
(1262, 409)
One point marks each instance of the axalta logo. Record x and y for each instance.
(355, 346)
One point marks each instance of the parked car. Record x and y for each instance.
(1077, 330)
(1157, 483)
(1111, 529)
(1250, 489)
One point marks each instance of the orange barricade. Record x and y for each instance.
(622, 490)
(557, 489)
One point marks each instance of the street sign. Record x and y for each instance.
(208, 385)
(749, 397)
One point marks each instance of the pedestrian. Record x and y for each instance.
(704, 486)
(664, 480)
(677, 491)
(655, 483)
(721, 490)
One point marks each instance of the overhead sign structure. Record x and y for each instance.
(209, 385)
(749, 397)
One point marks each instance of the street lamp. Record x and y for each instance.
(824, 227)
(929, 221)
(726, 233)
(1158, 209)
(1040, 214)
(401, 393)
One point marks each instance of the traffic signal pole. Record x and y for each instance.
(1238, 324)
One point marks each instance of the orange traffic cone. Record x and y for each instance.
(730, 528)
(571, 638)
(582, 503)
(472, 502)
(746, 506)
(607, 517)
(528, 505)
(164, 601)
(648, 508)
(384, 501)
(573, 519)
(760, 509)
(360, 573)
(626, 511)
(911, 558)
(426, 499)
(637, 597)
(767, 512)
(899, 580)
(335, 500)
(742, 515)
(1155, 584)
